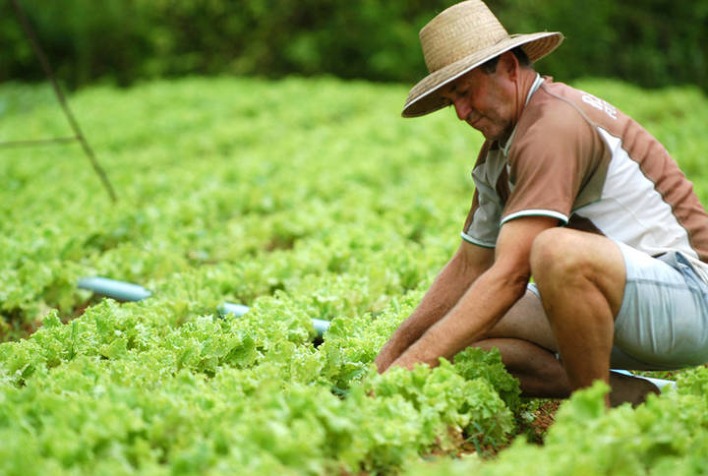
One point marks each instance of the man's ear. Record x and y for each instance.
(509, 65)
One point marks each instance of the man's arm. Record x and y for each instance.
(468, 263)
(487, 299)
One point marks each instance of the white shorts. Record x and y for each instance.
(663, 321)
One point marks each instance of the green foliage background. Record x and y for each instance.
(301, 199)
(648, 42)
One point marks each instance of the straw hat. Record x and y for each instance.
(458, 40)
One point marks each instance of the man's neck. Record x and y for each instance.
(525, 83)
(529, 81)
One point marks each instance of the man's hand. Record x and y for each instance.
(486, 301)
(468, 263)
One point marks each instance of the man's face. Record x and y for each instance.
(485, 101)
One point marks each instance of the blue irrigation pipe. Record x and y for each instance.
(117, 290)
(237, 310)
(122, 291)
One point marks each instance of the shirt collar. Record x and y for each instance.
(534, 87)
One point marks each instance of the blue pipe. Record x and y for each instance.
(117, 290)
(237, 310)
(122, 291)
(320, 326)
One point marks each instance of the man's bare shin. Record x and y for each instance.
(540, 374)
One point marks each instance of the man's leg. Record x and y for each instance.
(528, 349)
(540, 374)
(581, 278)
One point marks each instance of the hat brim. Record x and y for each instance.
(423, 98)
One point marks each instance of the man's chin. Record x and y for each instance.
(493, 135)
(490, 136)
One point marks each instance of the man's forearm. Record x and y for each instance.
(484, 302)
(443, 295)
(428, 312)
(472, 317)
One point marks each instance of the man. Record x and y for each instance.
(572, 193)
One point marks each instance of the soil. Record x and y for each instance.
(543, 417)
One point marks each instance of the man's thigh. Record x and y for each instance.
(662, 322)
(526, 320)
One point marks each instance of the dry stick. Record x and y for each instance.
(62, 101)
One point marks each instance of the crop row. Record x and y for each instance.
(301, 200)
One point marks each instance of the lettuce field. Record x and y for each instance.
(301, 199)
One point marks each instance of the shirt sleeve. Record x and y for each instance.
(482, 225)
(552, 157)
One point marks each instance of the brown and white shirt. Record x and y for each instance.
(577, 158)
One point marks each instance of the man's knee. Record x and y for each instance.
(564, 259)
(557, 253)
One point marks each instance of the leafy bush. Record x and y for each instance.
(665, 436)
(650, 43)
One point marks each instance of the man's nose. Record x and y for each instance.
(462, 108)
